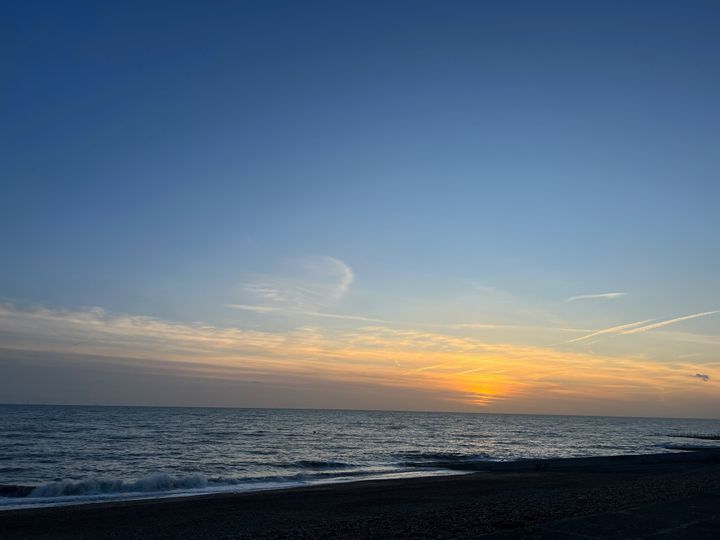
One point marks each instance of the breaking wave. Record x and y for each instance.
(446, 460)
(165, 483)
(95, 486)
(313, 464)
(688, 446)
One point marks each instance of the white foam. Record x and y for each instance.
(94, 486)
(162, 486)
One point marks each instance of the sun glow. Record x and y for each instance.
(462, 371)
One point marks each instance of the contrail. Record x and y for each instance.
(613, 330)
(671, 321)
(272, 309)
(425, 368)
(608, 296)
(480, 369)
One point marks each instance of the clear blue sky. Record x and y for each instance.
(156, 157)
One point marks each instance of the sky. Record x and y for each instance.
(454, 206)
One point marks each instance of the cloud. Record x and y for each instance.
(612, 330)
(270, 309)
(475, 370)
(606, 296)
(485, 289)
(475, 326)
(96, 331)
(641, 326)
(427, 368)
(503, 327)
(702, 376)
(458, 373)
(668, 322)
(304, 284)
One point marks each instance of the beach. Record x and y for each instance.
(359, 270)
(658, 496)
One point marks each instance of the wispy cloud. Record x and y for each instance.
(484, 370)
(463, 371)
(271, 309)
(641, 326)
(428, 368)
(611, 330)
(605, 296)
(660, 324)
(304, 284)
(500, 327)
(474, 326)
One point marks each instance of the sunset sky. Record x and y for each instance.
(456, 206)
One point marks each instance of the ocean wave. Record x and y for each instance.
(318, 464)
(442, 456)
(95, 486)
(688, 446)
(165, 483)
(443, 460)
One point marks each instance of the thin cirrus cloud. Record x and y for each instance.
(604, 296)
(303, 284)
(641, 326)
(302, 288)
(462, 372)
(319, 314)
(612, 330)
(660, 324)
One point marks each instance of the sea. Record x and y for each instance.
(59, 455)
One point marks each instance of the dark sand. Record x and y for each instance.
(665, 496)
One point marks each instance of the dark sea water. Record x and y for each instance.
(70, 454)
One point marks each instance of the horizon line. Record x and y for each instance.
(6, 404)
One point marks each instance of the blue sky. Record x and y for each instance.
(466, 162)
